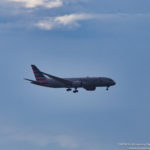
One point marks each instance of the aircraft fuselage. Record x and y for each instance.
(88, 83)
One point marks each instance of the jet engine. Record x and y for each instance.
(88, 86)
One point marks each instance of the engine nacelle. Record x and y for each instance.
(77, 84)
(88, 86)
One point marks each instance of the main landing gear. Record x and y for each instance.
(74, 91)
(68, 90)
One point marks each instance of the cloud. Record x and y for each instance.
(31, 18)
(72, 20)
(59, 21)
(37, 3)
(46, 24)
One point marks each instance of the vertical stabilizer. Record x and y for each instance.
(38, 75)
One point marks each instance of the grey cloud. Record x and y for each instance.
(28, 17)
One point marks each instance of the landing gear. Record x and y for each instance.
(68, 90)
(75, 90)
(107, 88)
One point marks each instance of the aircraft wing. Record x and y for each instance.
(66, 82)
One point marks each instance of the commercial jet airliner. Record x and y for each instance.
(88, 83)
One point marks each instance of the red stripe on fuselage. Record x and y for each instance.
(40, 79)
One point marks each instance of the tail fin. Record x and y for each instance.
(38, 75)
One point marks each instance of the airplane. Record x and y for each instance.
(88, 83)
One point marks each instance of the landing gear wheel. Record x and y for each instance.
(75, 91)
(107, 88)
(68, 89)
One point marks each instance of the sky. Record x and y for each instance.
(74, 38)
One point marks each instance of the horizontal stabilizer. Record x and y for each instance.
(33, 82)
(29, 80)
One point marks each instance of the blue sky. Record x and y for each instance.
(74, 38)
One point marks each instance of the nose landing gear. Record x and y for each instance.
(107, 88)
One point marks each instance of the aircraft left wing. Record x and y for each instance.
(66, 82)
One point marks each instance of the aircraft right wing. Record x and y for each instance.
(66, 82)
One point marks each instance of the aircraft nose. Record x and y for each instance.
(114, 83)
